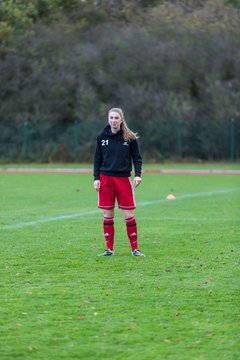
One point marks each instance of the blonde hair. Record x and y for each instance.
(128, 134)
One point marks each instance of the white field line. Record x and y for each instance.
(48, 219)
(191, 195)
(32, 170)
(91, 212)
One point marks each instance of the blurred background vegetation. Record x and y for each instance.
(173, 66)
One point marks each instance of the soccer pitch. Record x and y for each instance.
(60, 301)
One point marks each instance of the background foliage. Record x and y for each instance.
(63, 62)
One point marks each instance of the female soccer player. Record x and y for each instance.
(116, 149)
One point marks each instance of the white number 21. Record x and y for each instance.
(104, 142)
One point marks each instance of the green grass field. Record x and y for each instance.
(60, 301)
(201, 165)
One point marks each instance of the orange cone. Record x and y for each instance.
(170, 197)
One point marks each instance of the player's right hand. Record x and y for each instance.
(96, 185)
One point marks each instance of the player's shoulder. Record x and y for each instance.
(100, 135)
(133, 142)
(103, 133)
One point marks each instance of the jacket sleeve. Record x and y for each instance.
(136, 157)
(97, 161)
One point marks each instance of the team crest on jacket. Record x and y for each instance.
(125, 143)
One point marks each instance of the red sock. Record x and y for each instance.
(132, 232)
(108, 228)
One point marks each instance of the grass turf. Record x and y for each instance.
(60, 301)
(201, 165)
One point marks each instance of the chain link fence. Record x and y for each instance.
(47, 142)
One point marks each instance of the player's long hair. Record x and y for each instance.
(128, 134)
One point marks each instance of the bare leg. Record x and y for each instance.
(127, 213)
(108, 213)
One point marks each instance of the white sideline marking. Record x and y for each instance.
(191, 195)
(48, 219)
(141, 203)
(41, 170)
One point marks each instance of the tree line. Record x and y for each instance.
(165, 63)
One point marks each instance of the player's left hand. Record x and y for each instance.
(137, 181)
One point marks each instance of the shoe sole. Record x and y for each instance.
(105, 255)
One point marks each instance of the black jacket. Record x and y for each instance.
(114, 156)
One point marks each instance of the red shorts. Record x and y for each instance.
(112, 187)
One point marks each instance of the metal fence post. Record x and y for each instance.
(232, 139)
(179, 138)
(75, 139)
(25, 140)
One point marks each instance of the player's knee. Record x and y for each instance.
(108, 213)
(128, 214)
